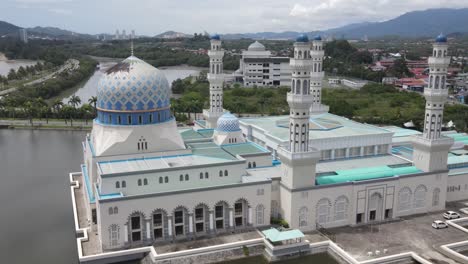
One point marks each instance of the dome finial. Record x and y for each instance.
(131, 47)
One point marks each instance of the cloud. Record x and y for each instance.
(60, 11)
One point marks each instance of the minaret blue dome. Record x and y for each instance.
(228, 123)
(302, 38)
(317, 37)
(441, 38)
(215, 36)
(133, 93)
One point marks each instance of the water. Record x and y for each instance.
(88, 88)
(6, 65)
(320, 258)
(36, 219)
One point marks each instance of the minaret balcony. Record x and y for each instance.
(317, 53)
(216, 53)
(437, 94)
(317, 74)
(301, 101)
(215, 78)
(438, 61)
(297, 64)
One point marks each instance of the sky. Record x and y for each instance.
(151, 17)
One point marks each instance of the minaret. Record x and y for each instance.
(431, 149)
(298, 160)
(316, 76)
(216, 79)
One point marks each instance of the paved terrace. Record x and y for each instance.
(90, 247)
(408, 234)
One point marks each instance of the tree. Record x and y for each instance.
(74, 101)
(29, 109)
(93, 101)
(400, 69)
(57, 106)
(12, 75)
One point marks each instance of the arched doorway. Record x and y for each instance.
(180, 221)
(221, 215)
(202, 218)
(375, 207)
(240, 212)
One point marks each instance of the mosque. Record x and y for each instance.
(148, 181)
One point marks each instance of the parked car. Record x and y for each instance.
(437, 224)
(451, 215)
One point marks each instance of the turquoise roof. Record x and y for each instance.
(274, 235)
(244, 148)
(457, 159)
(362, 174)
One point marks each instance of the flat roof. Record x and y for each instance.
(275, 235)
(359, 162)
(362, 174)
(324, 126)
(189, 134)
(244, 148)
(401, 132)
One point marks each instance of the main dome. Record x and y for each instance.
(256, 46)
(133, 86)
(228, 123)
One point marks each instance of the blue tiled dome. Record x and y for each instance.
(228, 123)
(302, 38)
(318, 37)
(215, 36)
(133, 87)
(441, 38)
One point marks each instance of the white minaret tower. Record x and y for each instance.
(297, 158)
(431, 149)
(216, 79)
(316, 76)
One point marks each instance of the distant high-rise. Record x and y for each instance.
(117, 34)
(124, 34)
(133, 34)
(23, 35)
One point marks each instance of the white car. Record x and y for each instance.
(437, 224)
(451, 215)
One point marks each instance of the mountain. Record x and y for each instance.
(172, 35)
(7, 28)
(427, 23)
(54, 32)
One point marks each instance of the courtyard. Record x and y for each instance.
(413, 233)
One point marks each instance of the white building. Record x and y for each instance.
(146, 181)
(258, 67)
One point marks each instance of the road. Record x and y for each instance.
(71, 65)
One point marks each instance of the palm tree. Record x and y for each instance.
(93, 101)
(73, 101)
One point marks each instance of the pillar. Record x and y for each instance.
(332, 155)
(361, 151)
(148, 231)
(231, 217)
(250, 215)
(347, 153)
(169, 226)
(211, 221)
(190, 220)
(375, 150)
(126, 233)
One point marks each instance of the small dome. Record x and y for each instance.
(441, 38)
(228, 123)
(256, 46)
(318, 37)
(215, 36)
(302, 38)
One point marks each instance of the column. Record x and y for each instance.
(169, 226)
(250, 215)
(190, 220)
(231, 217)
(332, 154)
(148, 231)
(347, 153)
(361, 151)
(211, 221)
(126, 233)
(375, 150)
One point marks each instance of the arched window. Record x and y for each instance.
(303, 216)
(254, 164)
(225, 173)
(111, 210)
(124, 184)
(435, 197)
(341, 208)
(119, 120)
(117, 184)
(140, 119)
(181, 177)
(116, 210)
(151, 118)
(139, 182)
(249, 165)
(220, 173)
(201, 175)
(114, 236)
(420, 196)
(160, 179)
(404, 199)
(166, 179)
(145, 181)
(186, 177)
(129, 119)
(323, 211)
(206, 175)
(260, 211)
